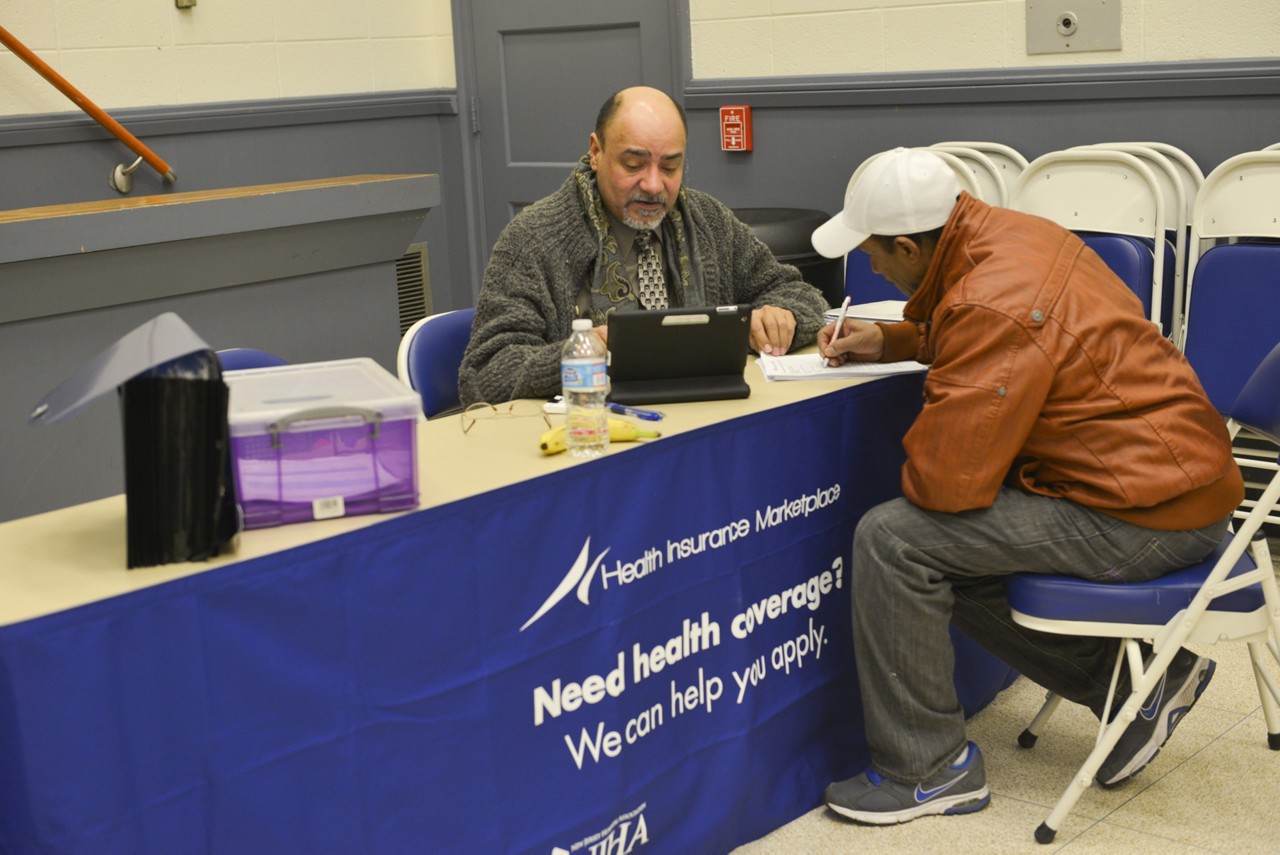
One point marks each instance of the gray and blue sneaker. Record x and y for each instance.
(1176, 693)
(961, 787)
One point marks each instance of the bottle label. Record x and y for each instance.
(584, 374)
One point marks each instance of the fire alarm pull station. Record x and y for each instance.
(735, 128)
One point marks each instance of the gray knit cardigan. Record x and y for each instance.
(546, 255)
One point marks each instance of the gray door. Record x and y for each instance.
(541, 69)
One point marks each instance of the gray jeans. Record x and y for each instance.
(915, 571)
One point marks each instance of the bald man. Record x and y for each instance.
(583, 251)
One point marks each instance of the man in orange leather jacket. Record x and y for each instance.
(1060, 432)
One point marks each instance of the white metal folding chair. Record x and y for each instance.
(1231, 596)
(1104, 192)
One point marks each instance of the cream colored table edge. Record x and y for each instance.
(74, 556)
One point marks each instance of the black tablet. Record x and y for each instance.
(677, 355)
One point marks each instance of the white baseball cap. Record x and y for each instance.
(901, 192)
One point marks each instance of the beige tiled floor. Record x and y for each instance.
(1215, 787)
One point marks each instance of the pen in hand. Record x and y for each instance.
(838, 328)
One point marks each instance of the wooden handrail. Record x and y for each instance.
(80, 100)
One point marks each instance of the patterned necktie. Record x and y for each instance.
(652, 286)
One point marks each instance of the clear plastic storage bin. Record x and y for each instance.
(320, 440)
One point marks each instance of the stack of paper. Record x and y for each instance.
(881, 310)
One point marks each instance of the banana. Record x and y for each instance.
(620, 430)
(553, 441)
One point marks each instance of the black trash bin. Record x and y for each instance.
(787, 233)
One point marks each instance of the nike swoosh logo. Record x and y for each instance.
(923, 795)
(1149, 711)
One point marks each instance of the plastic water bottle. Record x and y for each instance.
(585, 382)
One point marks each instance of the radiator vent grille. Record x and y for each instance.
(413, 285)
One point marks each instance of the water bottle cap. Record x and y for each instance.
(582, 325)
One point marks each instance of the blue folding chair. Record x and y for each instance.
(1230, 596)
(429, 356)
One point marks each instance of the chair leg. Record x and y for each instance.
(1268, 692)
(1028, 737)
(1143, 678)
(1267, 688)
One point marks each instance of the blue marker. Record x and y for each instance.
(623, 410)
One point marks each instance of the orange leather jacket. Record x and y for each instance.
(1045, 375)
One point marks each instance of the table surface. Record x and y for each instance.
(75, 556)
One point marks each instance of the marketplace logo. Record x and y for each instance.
(580, 574)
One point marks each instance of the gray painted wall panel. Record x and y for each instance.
(804, 156)
(810, 133)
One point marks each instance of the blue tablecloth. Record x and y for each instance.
(649, 652)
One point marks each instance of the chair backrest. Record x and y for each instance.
(1131, 258)
(1232, 316)
(1234, 286)
(1189, 171)
(429, 356)
(989, 176)
(1101, 191)
(1239, 198)
(1192, 177)
(1008, 159)
(236, 358)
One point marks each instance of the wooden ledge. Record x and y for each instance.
(151, 247)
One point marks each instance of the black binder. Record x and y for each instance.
(179, 493)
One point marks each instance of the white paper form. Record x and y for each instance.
(811, 366)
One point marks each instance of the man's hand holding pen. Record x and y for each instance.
(850, 339)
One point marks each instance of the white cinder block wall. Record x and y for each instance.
(767, 38)
(146, 53)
